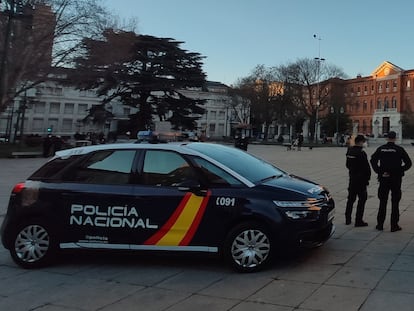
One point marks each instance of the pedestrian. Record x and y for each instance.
(390, 161)
(359, 176)
(300, 141)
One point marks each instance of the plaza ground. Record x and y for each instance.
(357, 269)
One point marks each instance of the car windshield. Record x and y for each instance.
(254, 169)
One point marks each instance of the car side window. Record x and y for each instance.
(216, 176)
(165, 168)
(104, 167)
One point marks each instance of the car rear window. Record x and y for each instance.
(53, 169)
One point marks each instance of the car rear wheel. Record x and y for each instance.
(32, 246)
(248, 247)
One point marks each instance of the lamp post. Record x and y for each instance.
(319, 60)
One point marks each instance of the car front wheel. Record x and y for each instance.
(32, 246)
(248, 247)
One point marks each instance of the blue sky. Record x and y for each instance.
(237, 35)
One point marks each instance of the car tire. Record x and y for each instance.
(248, 247)
(33, 245)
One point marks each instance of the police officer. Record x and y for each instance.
(390, 162)
(359, 176)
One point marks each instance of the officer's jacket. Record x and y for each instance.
(357, 164)
(390, 158)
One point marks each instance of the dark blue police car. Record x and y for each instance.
(194, 197)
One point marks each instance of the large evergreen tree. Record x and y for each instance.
(145, 72)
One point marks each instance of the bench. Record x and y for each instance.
(26, 154)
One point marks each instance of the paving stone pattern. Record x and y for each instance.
(358, 269)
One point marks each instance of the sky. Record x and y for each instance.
(235, 36)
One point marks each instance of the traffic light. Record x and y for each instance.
(49, 129)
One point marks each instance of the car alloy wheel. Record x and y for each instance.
(32, 246)
(249, 247)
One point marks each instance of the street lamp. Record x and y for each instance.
(319, 60)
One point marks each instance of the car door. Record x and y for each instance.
(97, 199)
(177, 205)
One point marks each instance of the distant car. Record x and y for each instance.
(193, 197)
(80, 143)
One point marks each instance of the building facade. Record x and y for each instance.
(52, 108)
(376, 103)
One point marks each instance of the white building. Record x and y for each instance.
(59, 110)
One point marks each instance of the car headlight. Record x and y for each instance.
(297, 210)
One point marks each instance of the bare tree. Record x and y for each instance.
(306, 80)
(270, 101)
(39, 36)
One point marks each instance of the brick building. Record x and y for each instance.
(375, 103)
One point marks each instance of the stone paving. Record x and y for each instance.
(358, 269)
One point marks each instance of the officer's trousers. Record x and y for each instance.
(387, 185)
(356, 189)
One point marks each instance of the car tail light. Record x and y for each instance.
(18, 188)
(28, 192)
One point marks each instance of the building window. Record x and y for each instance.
(58, 91)
(222, 115)
(364, 106)
(379, 103)
(221, 128)
(67, 125)
(213, 115)
(408, 84)
(394, 85)
(37, 125)
(212, 127)
(54, 108)
(39, 107)
(394, 102)
(387, 86)
(386, 103)
(83, 109)
(69, 108)
(380, 87)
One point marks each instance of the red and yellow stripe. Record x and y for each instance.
(183, 223)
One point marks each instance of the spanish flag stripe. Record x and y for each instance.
(183, 222)
(170, 222)
(194, 226)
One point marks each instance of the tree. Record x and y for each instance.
(407, 121)
(38, 36)
(307, 81)
(336, 123)
(144, 72)
(270, 101)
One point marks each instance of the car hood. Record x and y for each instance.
(296, 184)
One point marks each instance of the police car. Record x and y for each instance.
(193, 197)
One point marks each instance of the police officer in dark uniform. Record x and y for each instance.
(390, 162)
(359, 176)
